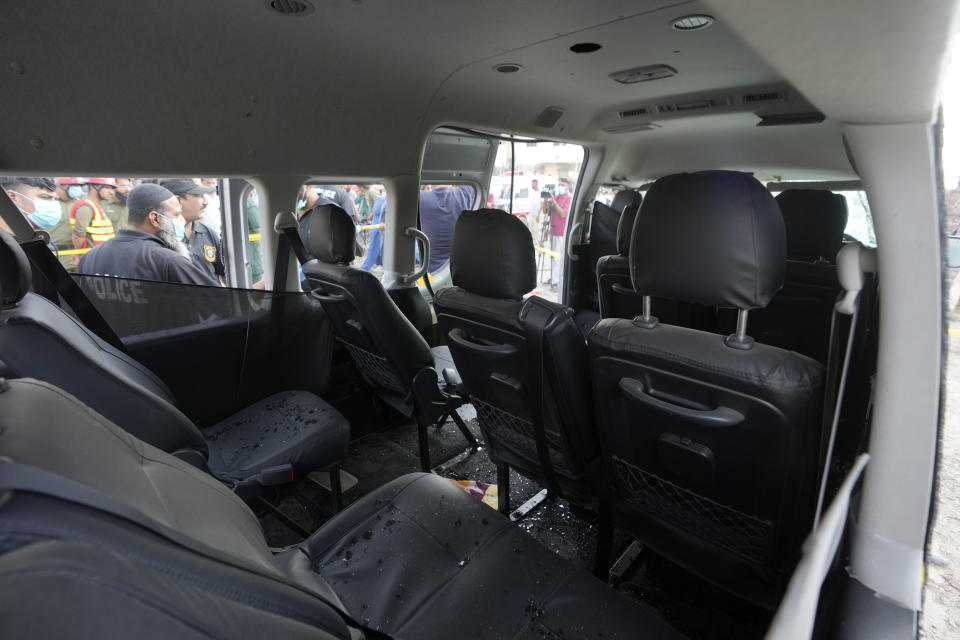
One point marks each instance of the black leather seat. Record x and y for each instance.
(711, 443)
(390, 354)
(106, 536)
(625, 198)
(616, 294)
(619, 300)
(604, 226)
(798, 317)
(269, 442)
(495, 338)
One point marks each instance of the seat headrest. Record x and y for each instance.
(15, 274)
(625, 197)
(492, 255)
(625, 227)
(815, 220)
(331, 234)
(711, 237)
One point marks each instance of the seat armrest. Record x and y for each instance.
(453, 379)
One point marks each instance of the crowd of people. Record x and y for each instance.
(145, 229)
(168, 230)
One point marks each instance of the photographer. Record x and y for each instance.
(556, 207)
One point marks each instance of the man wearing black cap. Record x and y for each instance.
(203, 244)
(148, 249)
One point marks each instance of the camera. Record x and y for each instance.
(546, 194)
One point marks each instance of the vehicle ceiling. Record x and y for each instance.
(229, 87)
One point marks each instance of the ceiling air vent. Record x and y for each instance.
(629, 128)
(632, 113)
(643, 74)
(768, 96)
(293, 8)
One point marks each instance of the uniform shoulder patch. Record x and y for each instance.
(210, 253)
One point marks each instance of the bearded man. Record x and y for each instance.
(149, 248)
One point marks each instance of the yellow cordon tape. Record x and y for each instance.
(954, 332)
(552, 254)
(255, 237)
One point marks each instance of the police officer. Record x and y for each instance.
(313, 193)
(148, 249)
(202, 243)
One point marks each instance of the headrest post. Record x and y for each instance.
(647, 320)
(740, 339)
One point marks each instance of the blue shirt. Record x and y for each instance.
(440, 209)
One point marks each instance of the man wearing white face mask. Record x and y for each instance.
(148, 249)
(36, 198)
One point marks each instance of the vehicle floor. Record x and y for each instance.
(693, 607)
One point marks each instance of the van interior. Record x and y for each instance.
(670, 367)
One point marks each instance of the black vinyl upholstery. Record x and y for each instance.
(732, 256)
(711, 450)
(488, 339)
(614, 269)
(14, 271)
(625, 198)
(619, 300)
(390, 354)
(38, 339)
(610, 235)
(417, 558)
(513, 271)
(814, 220)
(798, 317)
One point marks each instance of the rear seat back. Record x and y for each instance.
(617, 298)
(798, 317)
(711, 443)
(606, 229)
(387, 348)
(483, 317)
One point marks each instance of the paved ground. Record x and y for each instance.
(941, 610)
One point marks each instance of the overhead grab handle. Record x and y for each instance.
(719, 417)
(417, 235)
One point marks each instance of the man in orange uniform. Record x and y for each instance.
(91, 226)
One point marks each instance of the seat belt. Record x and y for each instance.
(534, 323)
(852, 261)
(15, 476)
(44, 260)
(288, 230)
(280, 268)
(287, 226)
